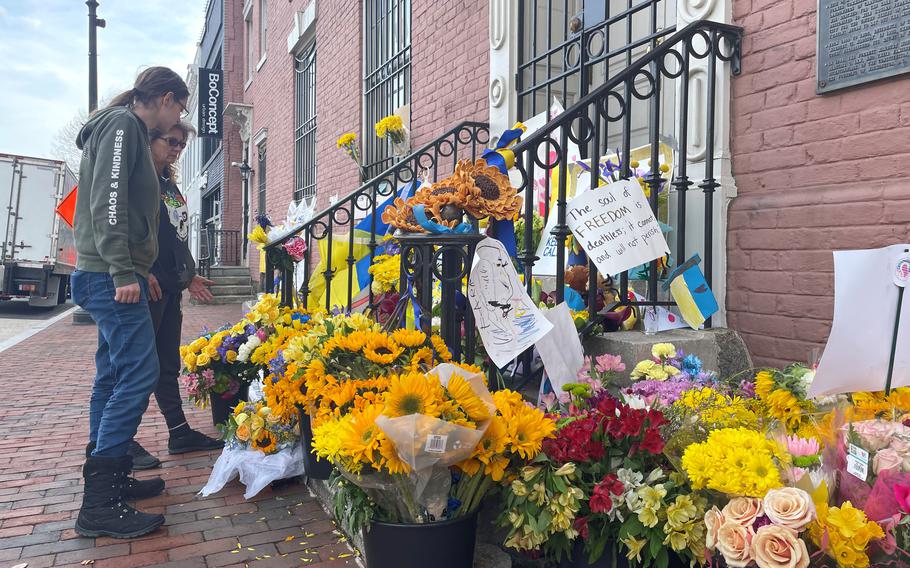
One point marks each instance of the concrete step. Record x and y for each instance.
(223, 300)
(232, 280)
(232, 290)
(217, 271)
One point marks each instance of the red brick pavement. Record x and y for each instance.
(43, 432)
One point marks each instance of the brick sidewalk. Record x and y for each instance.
(43, 432)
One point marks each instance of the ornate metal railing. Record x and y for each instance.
(218, 247)
(588, 124)
(434, 160)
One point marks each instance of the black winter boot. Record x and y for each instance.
(136, 489)
(103, 511)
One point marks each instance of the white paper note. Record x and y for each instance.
(507, 319)
(616, 227)
(859, 346)
(561, 349)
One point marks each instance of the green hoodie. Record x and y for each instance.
(116, 220)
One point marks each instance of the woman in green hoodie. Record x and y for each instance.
(116, 233)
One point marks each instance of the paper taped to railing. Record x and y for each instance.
(561, 350)
(507, 319)
(865, 307)
(616, 227)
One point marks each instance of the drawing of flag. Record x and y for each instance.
(67, 207)
(689, 289)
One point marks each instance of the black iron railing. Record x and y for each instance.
(607, 111)
(218, 247)
(434, 160)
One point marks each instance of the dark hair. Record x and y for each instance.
(187, 130)
(152, 83)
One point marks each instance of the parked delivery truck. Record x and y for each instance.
(38, 253)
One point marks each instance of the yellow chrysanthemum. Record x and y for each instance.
(346, 139)
(412, 393)
(663, 350)
(463, 394)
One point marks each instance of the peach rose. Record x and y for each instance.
(713, 520)
(900, 445)
(887, 460)
(789, 507)
(779, 547)
(734, 542)
(743, 510)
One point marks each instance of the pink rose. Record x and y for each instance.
(876, 434)
(713, 521)
(789, 507)
(887, 460)
(743, 510)
(900, 445)
(779, 547)
(734, 542)
(902, 494)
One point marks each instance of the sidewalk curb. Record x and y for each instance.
(17, 339)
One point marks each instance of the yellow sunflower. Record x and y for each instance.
(390, 460)
(361, 435)
(764, 383)
(409, 337)
(423, 358)
(265, 441)
(527, 429)
(382, 349)
(442, 351)
(412, 393)
(463, 394)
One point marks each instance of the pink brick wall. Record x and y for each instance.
(449, 85)
(814, 174)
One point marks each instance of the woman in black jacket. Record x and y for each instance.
(173, 272)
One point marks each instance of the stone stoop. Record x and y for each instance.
(721, 350)
(233, 285)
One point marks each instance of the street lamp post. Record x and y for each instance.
(80, 316)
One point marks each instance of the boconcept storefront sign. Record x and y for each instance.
(211, 102)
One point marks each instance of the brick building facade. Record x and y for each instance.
(815, 173)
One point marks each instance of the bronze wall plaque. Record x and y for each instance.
(861, 41)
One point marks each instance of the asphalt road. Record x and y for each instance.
(18, 320)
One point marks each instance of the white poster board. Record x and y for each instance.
(561, 350)
(616, 227)
(865, 304)
(507, 319)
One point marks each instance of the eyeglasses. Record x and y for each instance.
(184, 111)
(174, 142)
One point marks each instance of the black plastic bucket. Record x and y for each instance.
(315, 467)
(580, 560)
(222, 408)
(447, 544)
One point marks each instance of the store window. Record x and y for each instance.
(305, 125)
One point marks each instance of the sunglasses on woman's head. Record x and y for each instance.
(174, 142)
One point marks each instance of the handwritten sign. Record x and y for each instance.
(507, 319)
(616, 227)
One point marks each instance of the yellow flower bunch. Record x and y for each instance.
(734, 461)
(782, 395)
(256, 426)
(385, 271)
(658, 368)
(346, 140)
(258, 235)
(266, 312)
(847, 532)
(869, 405)
(389, 126)
(714, 409)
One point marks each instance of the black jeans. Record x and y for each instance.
(167, 318)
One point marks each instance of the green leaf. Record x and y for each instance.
(631, 527)
(663, 559)
(655, 545)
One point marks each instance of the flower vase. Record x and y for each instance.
(314, 467)
(223, 407)
(450, 544)
(401, 143)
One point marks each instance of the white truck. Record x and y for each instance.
(38, 253)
